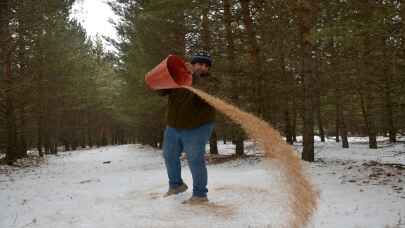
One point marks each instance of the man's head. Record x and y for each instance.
(201, 62)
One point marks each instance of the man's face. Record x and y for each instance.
(200, 68)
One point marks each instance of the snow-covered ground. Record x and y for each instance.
(122, 186)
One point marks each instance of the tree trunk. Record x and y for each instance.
(23, 146)
(47, 143)
(206, 44)
(11, 128)
(41, 123)
(205, 32)
(89, 137)
(318, 101)
(5, 60)
(104, 140)
(308, 136)
(340, 118)
(288, 131)
(83, 137)
(307, 13)
(345, 141)
(179, 32)
(294, 120)
(366, 93)
(54, 148)
(255, 60)
(319, 118)
(12, 144)
(237, 136)
(392, 131)
(365, 107)
(67, 146)
(288, 128)
(213, 143)
(239, 148)
(337, 120)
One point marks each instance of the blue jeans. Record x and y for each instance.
(191, 141)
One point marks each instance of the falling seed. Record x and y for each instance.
(303, 199)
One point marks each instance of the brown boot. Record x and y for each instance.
(196, 200)
(176, 190)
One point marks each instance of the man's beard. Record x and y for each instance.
(198, 75)
(201, 74)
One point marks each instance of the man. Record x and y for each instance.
(190, 122)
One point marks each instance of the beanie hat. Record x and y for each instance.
(202, 57)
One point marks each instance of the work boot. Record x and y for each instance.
(176, 190)
(196, 200)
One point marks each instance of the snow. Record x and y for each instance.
(122, 186)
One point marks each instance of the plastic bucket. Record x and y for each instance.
(171, 73)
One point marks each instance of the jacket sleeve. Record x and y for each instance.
(163, 92)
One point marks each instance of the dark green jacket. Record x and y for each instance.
(186, 110)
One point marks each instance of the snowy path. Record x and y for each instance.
(76, 189)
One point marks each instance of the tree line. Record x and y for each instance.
(311, 68)
(57, 87)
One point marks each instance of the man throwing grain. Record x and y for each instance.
(190, 122)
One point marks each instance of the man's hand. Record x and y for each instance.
(163, 92)
(189, 67)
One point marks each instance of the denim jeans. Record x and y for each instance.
(191, 141)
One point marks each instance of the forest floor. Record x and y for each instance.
(122, 186)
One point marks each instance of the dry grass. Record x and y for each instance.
(302, 197)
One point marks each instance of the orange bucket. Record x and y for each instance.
(171, 73)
